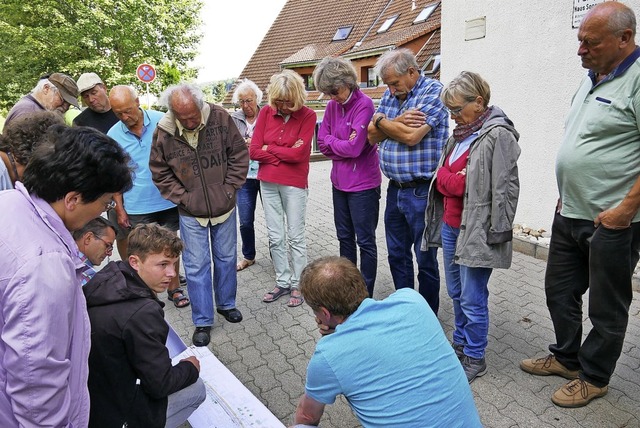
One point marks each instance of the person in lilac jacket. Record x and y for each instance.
(355, 175)
(44, 326)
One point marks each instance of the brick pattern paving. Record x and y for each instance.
(270, 349)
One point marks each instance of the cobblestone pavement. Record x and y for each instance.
(270, 349)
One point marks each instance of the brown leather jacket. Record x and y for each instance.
(202, 182)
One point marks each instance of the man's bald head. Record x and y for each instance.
(126, 105)
(607, 37)
(617, 16)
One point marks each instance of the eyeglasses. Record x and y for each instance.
(284, 103)
(109, 246)
(456, 111)
(110, 205)
(245, 102)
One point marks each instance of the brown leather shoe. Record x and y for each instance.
(547, 366)
(577, 393)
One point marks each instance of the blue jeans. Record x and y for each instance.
(467, 287)
(404, 225)
(600, 260)
(356, 218)
(285, 209)
(202, 245)
(246, 199)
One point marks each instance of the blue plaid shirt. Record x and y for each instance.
(403, 163)
(89, 270)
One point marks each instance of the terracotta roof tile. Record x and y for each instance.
(430, 48)
(402, 31)
(303, 32)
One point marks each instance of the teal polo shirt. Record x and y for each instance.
(599, 158)
(144, 197)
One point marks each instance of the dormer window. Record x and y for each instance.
(426, 13)
(388, 23)
(342, 33)
(433, 65)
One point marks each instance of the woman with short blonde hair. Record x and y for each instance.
(281, 143)
(287, 85)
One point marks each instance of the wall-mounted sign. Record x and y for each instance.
(475, 28)
(580, 9)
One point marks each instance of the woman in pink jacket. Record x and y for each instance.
(355, 175)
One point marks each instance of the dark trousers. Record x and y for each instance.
(601, 260)
(356, 218)
(404, 226)
(246, 198)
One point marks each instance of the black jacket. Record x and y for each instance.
(130, 372)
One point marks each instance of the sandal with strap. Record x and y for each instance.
(275, 294)
(295, 299)
(177, 300)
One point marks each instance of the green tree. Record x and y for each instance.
(215, 92)
(109, 37)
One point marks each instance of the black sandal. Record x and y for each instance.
(171, 296)
(274, 295)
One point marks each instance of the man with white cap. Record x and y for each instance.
(98, 113)
(55, 92)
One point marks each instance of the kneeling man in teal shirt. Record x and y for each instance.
(389, 358)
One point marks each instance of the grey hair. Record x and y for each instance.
(622, 18)
(466, 86)
(41, 84)
(398, 60)
(334, 73)
(244, 85)
(190, 89)
(97, 226)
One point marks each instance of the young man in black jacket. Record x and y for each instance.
(131, 379)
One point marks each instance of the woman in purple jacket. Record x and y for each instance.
(355, 175)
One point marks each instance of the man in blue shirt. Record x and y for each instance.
(389, 358)
(143, 203)
(411, 126)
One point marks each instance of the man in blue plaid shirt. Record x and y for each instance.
(411, 126)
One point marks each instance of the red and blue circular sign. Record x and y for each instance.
(146, 73)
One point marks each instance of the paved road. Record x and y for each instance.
(270, 349)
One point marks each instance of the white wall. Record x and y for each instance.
(529, 57)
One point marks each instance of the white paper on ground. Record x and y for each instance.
(229, 403)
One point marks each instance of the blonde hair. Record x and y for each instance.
(287, 85)
(466, 86)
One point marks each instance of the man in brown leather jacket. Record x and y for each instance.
(198, 161)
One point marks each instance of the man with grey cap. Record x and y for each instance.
(98, 113)
(55, 92)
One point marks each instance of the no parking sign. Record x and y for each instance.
(146, 73)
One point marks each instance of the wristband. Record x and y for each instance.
(377, 122)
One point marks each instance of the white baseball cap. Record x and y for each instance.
(88, 81)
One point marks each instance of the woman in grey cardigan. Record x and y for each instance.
(472, 204)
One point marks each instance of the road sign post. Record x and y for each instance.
(146, 73)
